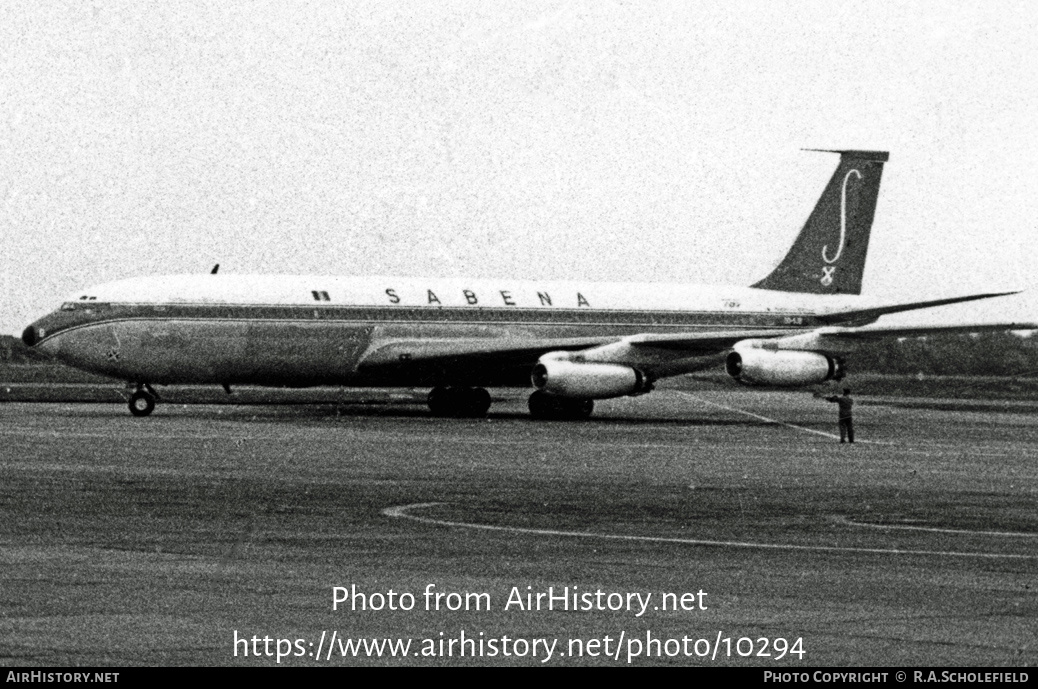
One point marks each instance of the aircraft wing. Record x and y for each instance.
(818, 339)
(504, 361)
(394, 352)
(508, 359)
(708, 342)
(705, 342)
(483, 351)
(529, 350)
(882, 332)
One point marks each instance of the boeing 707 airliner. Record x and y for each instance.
(572, 342)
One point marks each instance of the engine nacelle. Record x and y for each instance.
(782, 367)
(588, 380)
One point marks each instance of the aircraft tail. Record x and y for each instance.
(828, 256)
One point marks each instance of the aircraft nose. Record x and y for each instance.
(30, 336)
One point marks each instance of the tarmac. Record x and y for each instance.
(680, 528)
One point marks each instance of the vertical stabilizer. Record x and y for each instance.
(828, 256)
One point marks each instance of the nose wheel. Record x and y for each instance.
(142, 402)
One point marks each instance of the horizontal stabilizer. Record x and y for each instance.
(871, 314)
(880, 156)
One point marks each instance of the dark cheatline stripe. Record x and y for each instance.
(97, 313)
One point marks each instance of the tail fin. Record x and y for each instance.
(828, 256)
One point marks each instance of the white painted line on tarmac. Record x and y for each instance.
(976, 452)
(770, 420)
(31, 384)
(403, 511)
(966, 532)
(42, 433)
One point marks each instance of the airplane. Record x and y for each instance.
(574, 342)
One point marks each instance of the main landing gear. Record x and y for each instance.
(545, 406)
(142, 402)
(459, 402)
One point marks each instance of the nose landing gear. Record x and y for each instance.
(142, 402)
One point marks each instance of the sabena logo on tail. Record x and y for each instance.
(828, 272)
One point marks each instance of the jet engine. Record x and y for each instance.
(782, 367)
(588, 380)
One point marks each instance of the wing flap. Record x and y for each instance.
(704, 343)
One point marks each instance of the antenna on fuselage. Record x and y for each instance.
(215, 268)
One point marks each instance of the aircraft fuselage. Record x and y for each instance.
(309, 331)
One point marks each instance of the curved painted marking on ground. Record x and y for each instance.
(403, 511)
(967, 532)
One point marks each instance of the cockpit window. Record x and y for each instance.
(68, 306)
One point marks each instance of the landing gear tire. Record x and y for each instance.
(545, 406)
(478, 402)
(439, 401)
(142, 403)
(459, 402)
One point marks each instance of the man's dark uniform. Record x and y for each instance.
(846, 415)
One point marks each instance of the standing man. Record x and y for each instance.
(846, 414)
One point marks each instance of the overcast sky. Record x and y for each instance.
(598, 141)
